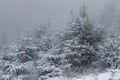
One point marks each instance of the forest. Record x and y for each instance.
(86, 49)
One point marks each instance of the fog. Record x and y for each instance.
(19, 16)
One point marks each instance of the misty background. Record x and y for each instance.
(59, 39)
(19, 16)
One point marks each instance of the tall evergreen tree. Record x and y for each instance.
(79, 45)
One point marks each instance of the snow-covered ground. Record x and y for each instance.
(109, 75)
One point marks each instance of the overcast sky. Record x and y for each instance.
(27, 14)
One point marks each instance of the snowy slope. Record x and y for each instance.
(110, 74)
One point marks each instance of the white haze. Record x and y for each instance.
(19, 16)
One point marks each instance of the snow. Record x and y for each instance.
(101, 76)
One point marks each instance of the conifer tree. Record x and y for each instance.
(80, 42)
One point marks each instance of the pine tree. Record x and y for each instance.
(79, 44)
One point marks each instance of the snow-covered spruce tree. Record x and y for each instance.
(79, 44)
(28, 61)
(111, 56)
(43, 38)
(45, 44)
(17, 64)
